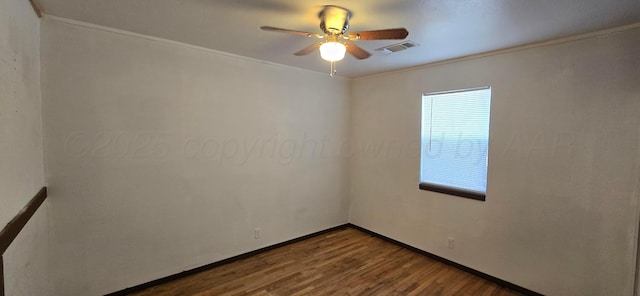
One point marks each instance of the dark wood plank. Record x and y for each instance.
(1, 277)
(36, 8)
(453, 191)
(13, 228)
(345, 261)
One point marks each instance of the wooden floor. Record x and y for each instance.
(342, 262)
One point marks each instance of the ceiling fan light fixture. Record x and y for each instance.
(332, 51)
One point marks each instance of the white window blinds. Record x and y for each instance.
(455, 139)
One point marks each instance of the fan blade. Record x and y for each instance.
(309, 49)
(399, 33)
(357, 51)
(301, 33)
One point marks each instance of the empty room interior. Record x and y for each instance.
(280, 147)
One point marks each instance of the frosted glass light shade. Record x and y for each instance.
(332, 51)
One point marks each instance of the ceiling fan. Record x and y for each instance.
(334, 22)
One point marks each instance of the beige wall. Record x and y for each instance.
(21, 164)
(561, 213)
(164, 157)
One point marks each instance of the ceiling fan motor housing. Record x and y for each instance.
(334, 20)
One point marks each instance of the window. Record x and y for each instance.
(455, 142)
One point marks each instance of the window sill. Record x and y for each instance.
(453, 191)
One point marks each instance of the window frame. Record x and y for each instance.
(449, 190)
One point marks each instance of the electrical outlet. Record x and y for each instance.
(450, 241)
(256, 233)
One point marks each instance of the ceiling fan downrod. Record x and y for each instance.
(334, 20)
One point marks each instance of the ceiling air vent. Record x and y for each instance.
(397, 47)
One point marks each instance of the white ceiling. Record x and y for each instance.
(445, 29)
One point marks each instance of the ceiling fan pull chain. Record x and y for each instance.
(333, 69)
